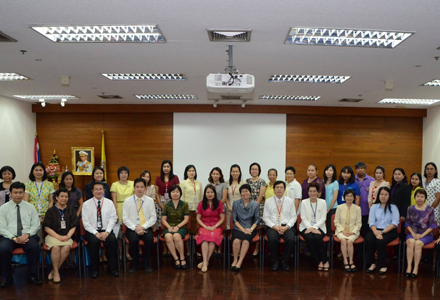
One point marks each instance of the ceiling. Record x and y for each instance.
(189, 51)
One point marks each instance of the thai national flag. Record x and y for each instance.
(37, 157)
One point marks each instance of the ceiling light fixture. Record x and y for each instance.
(215, 104)
(102, 34)
(63, 102)
(144, 76)
(166, 97)
(229, 35)
(408, 101)
(43, 103)
(46, 97)
(280, 97)
(243, 104)
(435, 82)
(12, 77)
(345, 37)
(308, 78)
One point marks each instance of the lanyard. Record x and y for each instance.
(39, 190)
(314, 210)
(279, 208)
(102, 204)
(195, 188)
(61, 213)
(233, 190)
(142, 203)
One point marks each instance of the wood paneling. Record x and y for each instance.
(138, 140)
(344, 140)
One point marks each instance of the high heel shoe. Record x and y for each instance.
(183, 267)
(200, 265)
(408, 275)
(177, 266)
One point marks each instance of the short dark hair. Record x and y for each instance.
(96, 169)
(350, 191)
(7, 168)
(185, 176)
(144, 173)
(393, 182)
(291, 169)
(360, 164)
(176, 187)
(435, 167)
(98, 183)
(421, 191)
(61, 190)
(313, 184)
(333, 167)
(272, 169)
(230, 170)
(255, 164)
(162, 174)
(17, 185)
(221, 179)
(31, 174)
(245, 187)
(278, 182)
(380, 168)
(65, 174)
(121, 169)
(140, 180)
(347, 169)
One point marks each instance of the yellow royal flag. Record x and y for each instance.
(103, 160)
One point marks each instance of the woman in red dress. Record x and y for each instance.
(210, 217)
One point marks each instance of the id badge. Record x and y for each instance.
(166, 196)
(40, 207)
(138, 222)
(63, 224)
(314, 222)
(99, 225)
(195, 201)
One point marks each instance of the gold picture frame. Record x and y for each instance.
(83, 160)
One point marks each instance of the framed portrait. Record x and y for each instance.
(83, 160)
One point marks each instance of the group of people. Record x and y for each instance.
(355, 205)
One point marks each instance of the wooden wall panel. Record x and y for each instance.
(138, 141)
(344, 140)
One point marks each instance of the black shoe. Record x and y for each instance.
(94, 275)
(6, 282)
(35, 280)
(275, 266)
(183, 266)
(114, 273)
(414, 275)
(177, 266)
(148, 269)
(255, 255)
(353, 269)
(285, 266)
(382, 272)
(133, 269)
(408, 275)
(371, 270)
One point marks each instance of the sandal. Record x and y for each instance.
(347, 268)
(200, 265)
(177, 265)
(353, 268)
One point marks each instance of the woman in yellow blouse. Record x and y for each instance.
(39, 192)
(272, 174)
(416, 184)
(348, 222)
(192, 193)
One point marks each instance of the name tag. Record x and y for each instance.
(99, 225)
(40, 207)
(166, 196)
(138, 222)
(63, 224)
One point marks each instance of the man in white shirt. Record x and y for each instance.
(139, 215)
(19, 224)
(280, 216)
(293, 187)
(99, 217)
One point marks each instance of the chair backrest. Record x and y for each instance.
(188, 225)
(82, 230)
(298, 221)
(333, 223)
(124, 228)
(399, 228)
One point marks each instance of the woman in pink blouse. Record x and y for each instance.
(210, 217)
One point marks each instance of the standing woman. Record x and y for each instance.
(246, 217)
(293, 188)
(272, 174)
(415, 181)
(221, 188)
(210, 217)
(420, 222)
(379, 176)
(39, 192)
(347, 182)
(150, 191)
(7, 173)
(234, 185)
(312, 227)
(258, 188)
(163, 184)
(348, 222)
(331, 194)
(75, 194)
(60, 224)
(175, 216)
(383, 221)
(401, 195)
(432, 187)
(97, 176)
(312, 174)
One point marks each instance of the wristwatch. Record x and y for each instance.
(14, 238)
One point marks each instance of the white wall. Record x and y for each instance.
(431, 137)
(17, 133)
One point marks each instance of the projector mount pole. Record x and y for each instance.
(231, 69)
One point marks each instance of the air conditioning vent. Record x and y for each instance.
(110, 96)
(350, 100)
(233, 35)
(230, 97)
(6, 38)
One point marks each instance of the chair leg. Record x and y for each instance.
(157, 254)
(42, 263)
(399, 247)
(124, 254)
(262, 246)
(364, 257)
(79, 261)
(332, 243)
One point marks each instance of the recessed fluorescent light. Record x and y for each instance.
(144, 76)
(279, 97)
(46, 97)
(345, 37)
(308, 78)
(12, 77)
(435, 82)
(229, 35)
(409, 101)
(166, 97)
(102, 34)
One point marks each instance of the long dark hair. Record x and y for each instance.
(188, 167)
(230, 170)
(65, 174)
(96, 169)
(347, 169)
(405, 180)
(162, 174)
(221, 179)
(332, 166)
(144, 173)
(420, 180)
(388, 205)
(215, 202)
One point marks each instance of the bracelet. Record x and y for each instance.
(177, 226)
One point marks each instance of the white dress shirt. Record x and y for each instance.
(308, 211)
(8, 219)
(288, 212)
(89, 214)
(130, 212)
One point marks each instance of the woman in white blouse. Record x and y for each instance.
(312, 227)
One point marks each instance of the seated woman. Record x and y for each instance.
(420, 221)
(210, 216)
(175, 216)
(60, 225)
(312, 227)
(348, 222)
(383, 220)
(246, 216)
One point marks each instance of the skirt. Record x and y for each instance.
(426, 239)
(215, 236)
(352, 237)
(237, 234)
(51, 241)
(182, 231)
